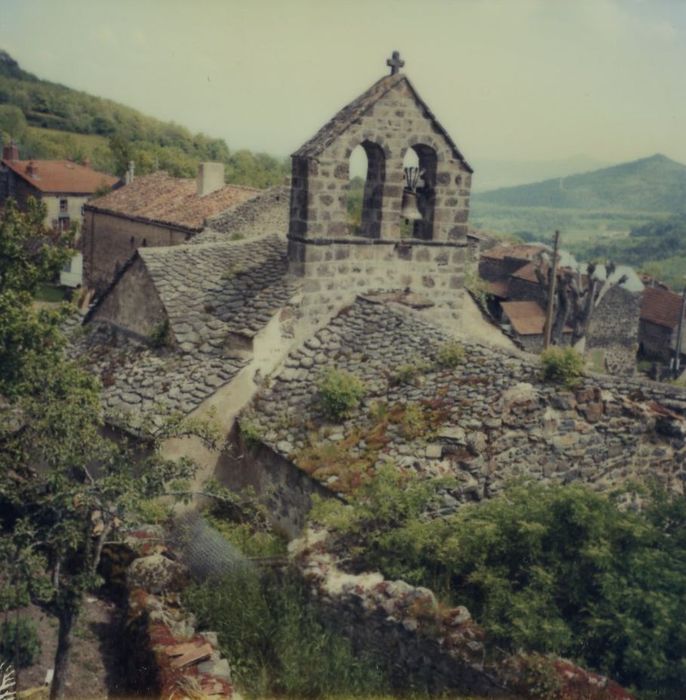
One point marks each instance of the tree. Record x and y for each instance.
(64, 488)
(12, 121)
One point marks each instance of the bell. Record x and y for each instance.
(409, 209)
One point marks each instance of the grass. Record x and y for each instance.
(85, 142)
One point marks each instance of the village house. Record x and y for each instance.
(660, 312)
(161, 210)
(63, 186)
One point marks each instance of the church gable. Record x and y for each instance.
(391, 123)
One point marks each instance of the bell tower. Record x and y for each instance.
(412, 227)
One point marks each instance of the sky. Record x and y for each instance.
(519, 80)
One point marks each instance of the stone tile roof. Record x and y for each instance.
(660, 306)
(526, 317)
(487, 420)
(161, 198)
(211, 289)
(347, 116)
(517, 252)
(60, 176)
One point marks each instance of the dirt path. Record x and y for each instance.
(95, 661)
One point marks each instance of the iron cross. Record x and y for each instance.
(395, 62)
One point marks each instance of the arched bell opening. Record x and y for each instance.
(419, 194)
(367, 168)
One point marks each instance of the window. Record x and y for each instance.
(64, 206)
(367, 168)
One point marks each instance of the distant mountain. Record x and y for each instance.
(494, 174)
(655, 184)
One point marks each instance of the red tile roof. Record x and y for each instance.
(660, 306)
(60, 176)
(528, 272)
(498, 289)
(161, 198)
(526, 317)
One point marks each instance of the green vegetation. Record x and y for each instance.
(48, 120)
(160, 336)
(550, 569)
(19, 642)
(50, 293)
(55, 511)
(276, 641)
(408, 373)
(562, 365)
(450, 354)
(339, 393)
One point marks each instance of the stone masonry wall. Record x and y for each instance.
(336, 271)
(387, 130)
(133, 304)
(109, 241)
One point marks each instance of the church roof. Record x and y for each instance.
(211, 289)
(161, 198)
(347, 116)
(60, 176)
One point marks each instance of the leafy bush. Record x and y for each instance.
(19, 642)
(562, 365)
(339, 393)
(407, 373)
(556, 569)
(275, 639)
(450, 354)
(250, 432)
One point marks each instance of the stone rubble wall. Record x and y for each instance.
(438, 647)
(169, 657)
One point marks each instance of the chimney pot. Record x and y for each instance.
(210, 178)
(10, 152)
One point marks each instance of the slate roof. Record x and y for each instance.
(211, 289)
(60, 176)
(521, 252)
(347, 116)
(660, 306)
(161, 198)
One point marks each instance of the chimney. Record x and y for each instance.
(10, 151)
(32, 169)
(130, 172)
(210, 178)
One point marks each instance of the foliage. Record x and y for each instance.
(250, 432)
(551, 569)
(19, 642)
(339, 393)
(64, 488)
(408, 373)
(275, 639)
(450, 354)
(562, 365)
(65, 123)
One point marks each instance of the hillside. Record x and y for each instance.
(655, 184)
(47, 119)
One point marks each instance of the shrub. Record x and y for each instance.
(19, 642)
(339, 393)
(275, 640)
(414, 423)
(562, 365)
(160, 336)
(407, 373)
(250, 432)
(450, 354)
(549, 569)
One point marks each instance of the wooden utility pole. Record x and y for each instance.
(548, 329)
(677, 357)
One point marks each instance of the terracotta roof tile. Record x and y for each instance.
(499, 288)
(526, 317)
(161, 198)
(660, 306)
(60, 176)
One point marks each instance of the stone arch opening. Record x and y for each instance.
(425, 159)
(367, 173)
